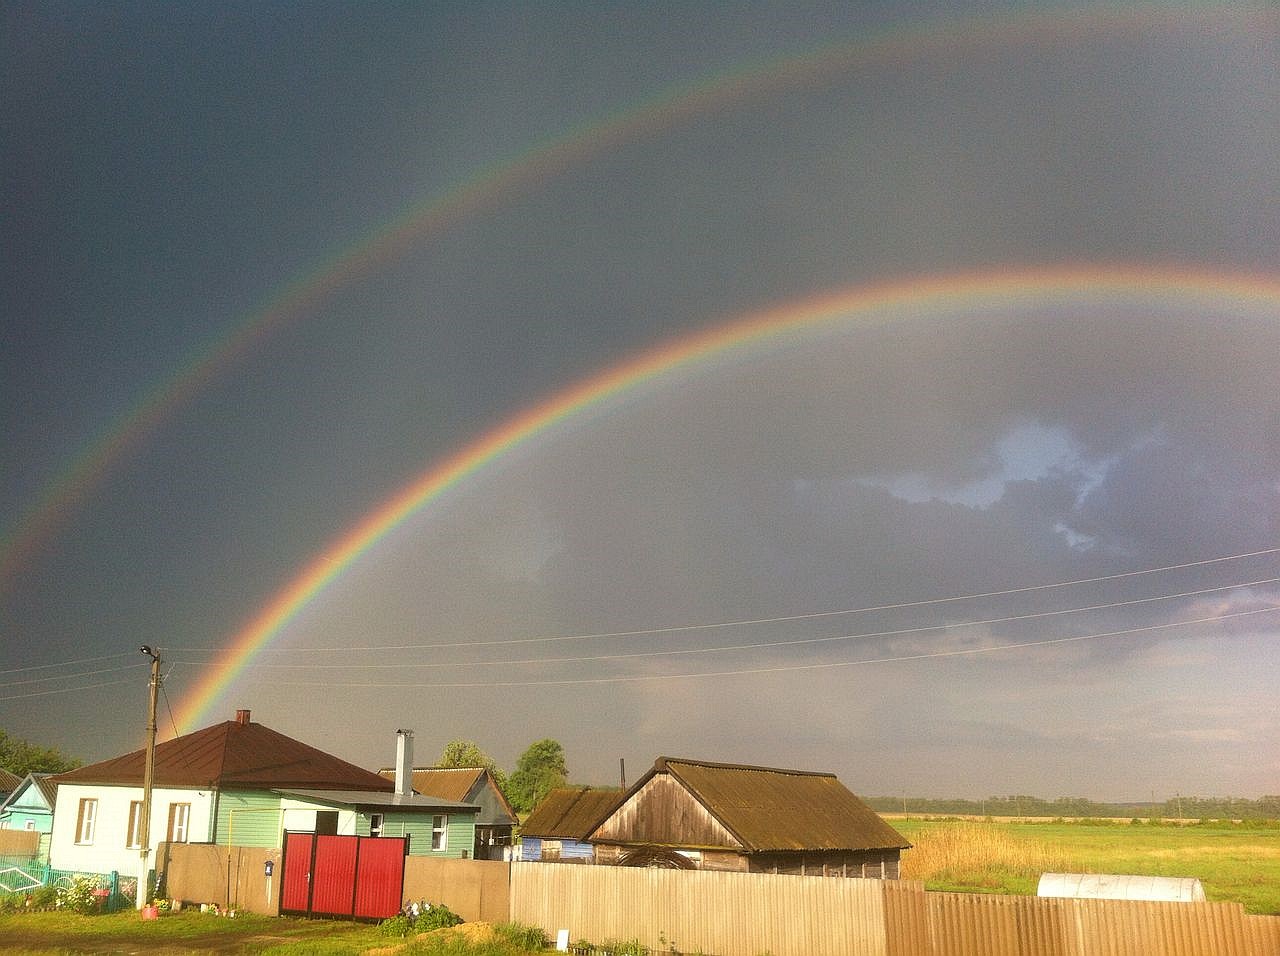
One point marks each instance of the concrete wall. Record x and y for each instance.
(474, 889)
(204, 873)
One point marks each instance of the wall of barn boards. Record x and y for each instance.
(747, 914)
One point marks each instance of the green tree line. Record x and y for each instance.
(1022, 805)
(21, 758)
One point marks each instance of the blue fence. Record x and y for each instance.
(24, 880)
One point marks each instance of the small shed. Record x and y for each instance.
(1109, 886)
(557, 829)
(717, 816)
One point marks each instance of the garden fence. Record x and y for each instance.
(22, 880)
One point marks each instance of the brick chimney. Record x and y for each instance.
(404, 762)
(242, 717)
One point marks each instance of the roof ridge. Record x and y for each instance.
(662, 763)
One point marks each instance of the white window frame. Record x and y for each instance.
(179, 822)
(133, 835)
(439, 832)
(86, 821)
(376, 822)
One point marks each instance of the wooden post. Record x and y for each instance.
(148, 773)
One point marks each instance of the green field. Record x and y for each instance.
(1234, 862)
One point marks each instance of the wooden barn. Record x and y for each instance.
(693, 814)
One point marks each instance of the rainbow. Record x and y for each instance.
(916, 299)
(492, 185)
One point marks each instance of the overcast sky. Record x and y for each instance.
(605, 179)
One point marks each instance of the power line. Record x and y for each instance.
(41, 680)
(789, 667)
(899, 632)
(65, 690)
(781, 620)
(83, 660)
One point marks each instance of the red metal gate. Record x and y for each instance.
(357, 877)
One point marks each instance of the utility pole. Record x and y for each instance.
(148, 772)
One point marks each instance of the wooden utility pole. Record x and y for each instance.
(148, 772)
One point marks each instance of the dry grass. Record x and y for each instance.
(955, 849)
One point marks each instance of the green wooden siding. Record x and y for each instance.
(460, 831)
(16, 818)
(250, 818)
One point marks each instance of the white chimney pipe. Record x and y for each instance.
(404, 762)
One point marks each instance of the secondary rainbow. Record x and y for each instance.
(916, 299)
(494, 184)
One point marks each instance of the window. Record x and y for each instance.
(438, 831)
(86, 820)
(179, 818)
(134, 840)
(375, 824)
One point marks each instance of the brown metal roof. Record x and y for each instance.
(570, 813)
(447, 783)
(772, 810)
(234, 754)
(8, 781)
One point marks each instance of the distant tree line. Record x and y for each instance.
(1021, 805)
(21, 758)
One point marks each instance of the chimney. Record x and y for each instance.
(404, 762)
(242, 717)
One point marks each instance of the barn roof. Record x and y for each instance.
(772, 810)
(234, 753)
(570, 813)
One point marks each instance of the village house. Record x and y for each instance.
(694, 814)
(558, 827)
(240, 783)
(30, 805)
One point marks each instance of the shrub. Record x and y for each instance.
(399, 926)
(78, 896)
(630, 947)
(531, 939)
(435, 916)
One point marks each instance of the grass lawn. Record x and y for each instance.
(1235, 863)
(195, 932)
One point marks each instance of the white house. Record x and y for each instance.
(240, 783)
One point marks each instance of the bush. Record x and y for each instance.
(531, 939)
(79, 897)
(398, 926)
(435, 916)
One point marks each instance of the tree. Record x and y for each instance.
(18, 756)
(465, 753)
(540, 769)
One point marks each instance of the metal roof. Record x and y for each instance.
(394, 801)
(41, 783)
(449, 783)
(570, 813)
(8, 781)
(233, 754)
(48, 787)
(773, 810)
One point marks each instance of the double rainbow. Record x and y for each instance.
(916, 299)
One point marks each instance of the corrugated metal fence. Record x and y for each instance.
(745, 914)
